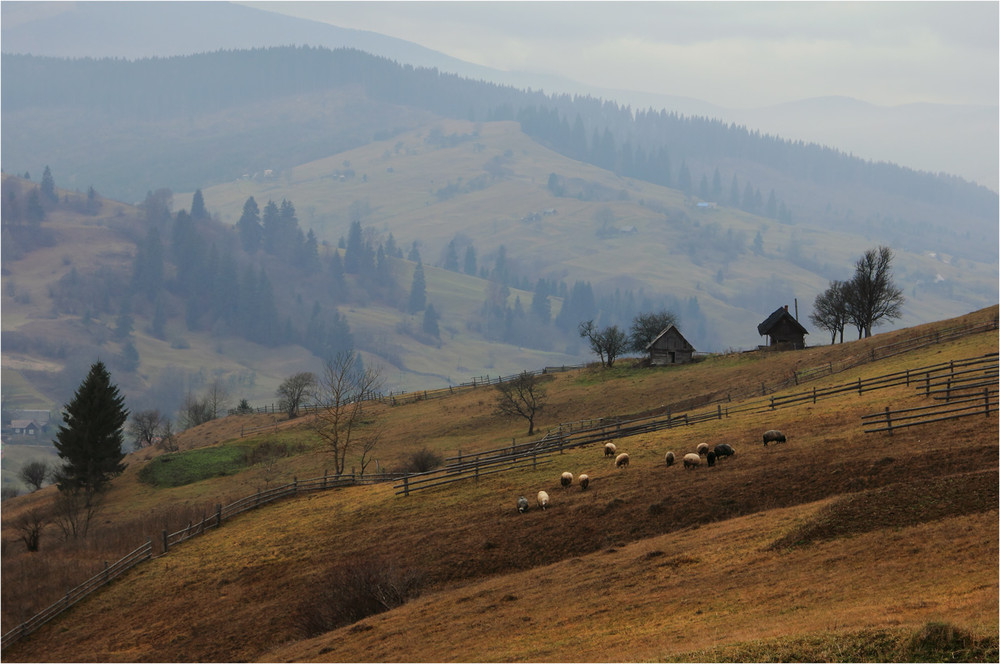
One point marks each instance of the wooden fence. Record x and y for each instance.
(984, 404)
(110, 572)
(970, 371)
(145, 552)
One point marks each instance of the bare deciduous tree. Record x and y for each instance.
(608, 343)
(144, 427)
(29, 527)
(646, 327)
(343, 389)
(872, 296)
(34, 473)
(217, 398)
(294, 390)
(830, 310)
(523, 396)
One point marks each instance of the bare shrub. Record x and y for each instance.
(353, 591)
(29, 527)
(423, 461)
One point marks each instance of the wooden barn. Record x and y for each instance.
(784, 331)
(669, 347)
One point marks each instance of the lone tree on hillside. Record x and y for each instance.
(90, 442)
(144, 427)
(830, 310)
(608, 343)
(871, 295)
(294, 390)
(34, 473)
(343, 390)
(646, 327)
(523, 396)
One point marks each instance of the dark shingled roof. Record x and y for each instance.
(687, 343)
(772, 320)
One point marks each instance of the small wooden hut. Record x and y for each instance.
(785, 332)
(669, 347)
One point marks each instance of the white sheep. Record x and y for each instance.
(610, 449)
(702, 449)
(584, 482)
(543, 499)
(522, 504)
(566, 479)
(692, 460)
(621, 461)
(670, 458)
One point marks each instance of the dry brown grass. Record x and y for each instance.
(820, 535)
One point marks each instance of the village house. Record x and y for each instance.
(669, 347)
(24, 427)
(785, 332)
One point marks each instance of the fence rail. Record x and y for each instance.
(169, 540)
(100, 579)
(473, 466)
(584, 432)
(888, 420)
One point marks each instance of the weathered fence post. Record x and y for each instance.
(814, 394)
(295, 485)
(406, 485)
(947, 391)
(927, 389)
(888, 420)
(772, 403)
(763, 390)
(324, 478)
(907, 377)
(859, 385)
(719, 407)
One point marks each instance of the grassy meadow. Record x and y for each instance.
(836, 546)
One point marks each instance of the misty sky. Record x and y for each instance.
(733, 54)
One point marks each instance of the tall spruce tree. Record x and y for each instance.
(90, 439)
(418, 290)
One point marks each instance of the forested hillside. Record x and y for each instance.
(795, 182)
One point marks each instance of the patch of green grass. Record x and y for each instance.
(183, 468)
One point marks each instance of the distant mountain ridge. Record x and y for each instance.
(953, 139)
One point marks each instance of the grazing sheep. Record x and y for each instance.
(610, 449)
(670, 458)
(584, 482)
(773, 436)
(711, 458)
(621, 461)
(724, 450)
(692, 460)
(522, 504)
(566, 479)
(702, 449)
(543, 499)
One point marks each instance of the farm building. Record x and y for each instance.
(669, 347)
(784, 330)
(24, 427)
